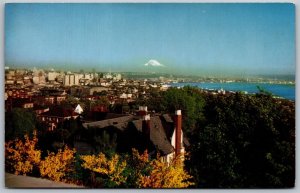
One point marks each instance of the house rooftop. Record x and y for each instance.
(59, 111)
(120, 121)
(158, 135)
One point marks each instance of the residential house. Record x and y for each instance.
(158, 133)
(57, 115)
(24, 103)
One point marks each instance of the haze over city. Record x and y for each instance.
(195, 39)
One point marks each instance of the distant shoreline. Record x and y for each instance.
(286, 91)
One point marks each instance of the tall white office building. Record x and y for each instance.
(71, 79)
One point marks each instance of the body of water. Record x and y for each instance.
(281, 90)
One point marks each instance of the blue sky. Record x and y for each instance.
(204, 39)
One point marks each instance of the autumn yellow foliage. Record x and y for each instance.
(135, 170)
(56, 166)
(21, 156)
(165, 175)
(141, 160)
(112, 168)
(140, 163)
(144, 172)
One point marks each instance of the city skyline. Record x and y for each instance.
(196, 39)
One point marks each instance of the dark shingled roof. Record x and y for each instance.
(186, 141)
(170, 131)
(167, 118)
(120, 122)
(59, 112)
(138, 125)
(158, 134)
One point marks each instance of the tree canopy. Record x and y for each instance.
(18, 123)
(247, 141)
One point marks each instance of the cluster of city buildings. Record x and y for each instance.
(42, 77)
(21, 83)
(45, 93)
(38, 88)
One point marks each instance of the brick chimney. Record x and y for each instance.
(142, 110)
(146, 126)
(178, 132)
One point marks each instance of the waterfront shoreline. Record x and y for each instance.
(285, 91)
